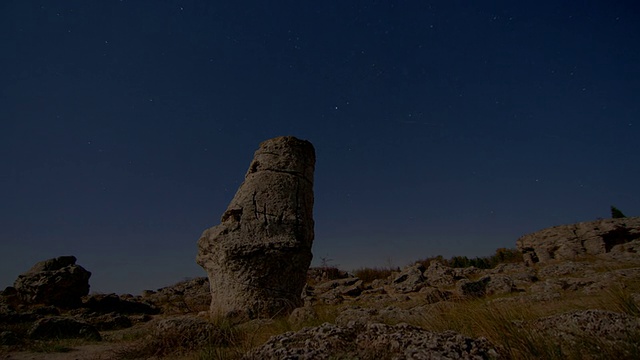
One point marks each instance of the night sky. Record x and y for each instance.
(440, 127)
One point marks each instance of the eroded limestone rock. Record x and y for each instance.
(257, 258)
(569, 242)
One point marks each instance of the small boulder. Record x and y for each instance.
(410, 279)
(473, 289)
(303, 315)
(499, 284)
(438, 274)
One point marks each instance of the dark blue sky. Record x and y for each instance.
(447, 127)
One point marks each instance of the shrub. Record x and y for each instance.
(616, 213)
(370, 274)
(427, 262)
(502, 256)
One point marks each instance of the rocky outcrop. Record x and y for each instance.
(257, 258)
(569, 242)
(59, 282)
(372, 341)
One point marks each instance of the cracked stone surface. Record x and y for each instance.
(257, 258)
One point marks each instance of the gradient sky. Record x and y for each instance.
(440, 127)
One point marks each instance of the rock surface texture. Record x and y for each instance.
(257, 258)
(373, 341)
(568, 242)
(59, 282)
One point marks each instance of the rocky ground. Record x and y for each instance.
(574, 299)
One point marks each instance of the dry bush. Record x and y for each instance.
(369, 274)
(502, 256)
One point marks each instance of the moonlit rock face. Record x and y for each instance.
(257, 258)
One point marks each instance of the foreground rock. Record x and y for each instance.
(373, 341)
(59, 282)
(257, 258)
(568, 242)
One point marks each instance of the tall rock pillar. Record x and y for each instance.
(257, 258)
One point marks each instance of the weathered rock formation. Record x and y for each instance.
(568, 242)
(59, 282)
(257, 258)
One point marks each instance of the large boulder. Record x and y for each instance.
(59, 282)
(569, 242)
(257, 258)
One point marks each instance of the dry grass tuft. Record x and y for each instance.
(506, 324)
